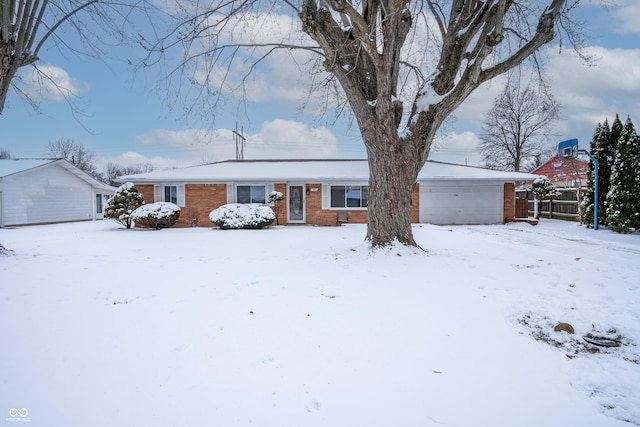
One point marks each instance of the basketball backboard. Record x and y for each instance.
(568, 149)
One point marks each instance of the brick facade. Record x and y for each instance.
(201, 199)
(509, 204)
(318, 216)
(147, 192)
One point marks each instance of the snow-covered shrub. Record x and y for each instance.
(274, 196)
(120, 207)
(543, 189)
(156, 215)
(237, 215)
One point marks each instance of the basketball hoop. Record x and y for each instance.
(568, 149)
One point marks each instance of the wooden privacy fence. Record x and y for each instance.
(522, 208)
(566, 207)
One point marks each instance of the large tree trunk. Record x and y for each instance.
(363, 52)
(391, 182)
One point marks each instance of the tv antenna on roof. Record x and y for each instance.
(240, 141)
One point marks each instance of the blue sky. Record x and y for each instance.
(122, 116)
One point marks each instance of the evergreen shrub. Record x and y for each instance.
(156, 215)
(120, 207)
(237, 216)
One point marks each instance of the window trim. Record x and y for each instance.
(164, 193)
(159, 192)
(264, 186)
(346, 208)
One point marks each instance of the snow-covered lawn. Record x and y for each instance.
(301, 326)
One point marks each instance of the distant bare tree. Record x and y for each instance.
(518, 129)
(5, 154)
(75, 153)
(114, 170)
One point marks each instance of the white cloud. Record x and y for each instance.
(459, 148)
(591, 94)
(45, 82)
(277, 139)
(626, 14)
(262, 72)
(475, 108)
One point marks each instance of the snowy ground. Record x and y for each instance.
(301, 326)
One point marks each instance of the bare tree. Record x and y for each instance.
(26, 25)
(114, 170)
(517, 131)
(378, 52)
(74, 152)
(5, 154)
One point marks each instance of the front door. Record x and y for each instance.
(295, 202)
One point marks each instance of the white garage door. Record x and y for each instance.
(461, 204)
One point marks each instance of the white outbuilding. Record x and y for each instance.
(44, 191)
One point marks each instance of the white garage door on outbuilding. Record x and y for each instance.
(461, 203)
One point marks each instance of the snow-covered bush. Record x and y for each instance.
(543, 189)
(274, 196)
(242, 216)
(156, 215)
(120, 207)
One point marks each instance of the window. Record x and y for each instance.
(98, 203)
(251, 194)
(171, 194)
(349, 196)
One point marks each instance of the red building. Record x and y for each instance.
(564, 173)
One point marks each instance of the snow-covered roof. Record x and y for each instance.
(10, 167)
(13, 166)
(311, 171)
(433, 171)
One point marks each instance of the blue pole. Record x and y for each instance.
(595, 188)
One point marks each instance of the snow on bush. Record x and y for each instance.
(156, 215)
(544, 189)
(237, 215)
(120, 207)
(274, 196)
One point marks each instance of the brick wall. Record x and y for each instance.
(147, 192)
(280, 207)
(509, 201)
(317, 216)
(415, 204)
(201, 199)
